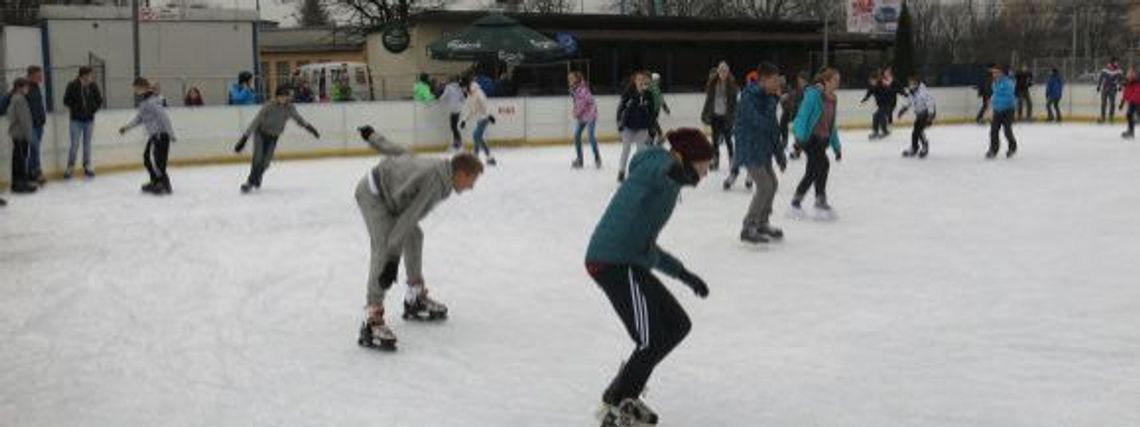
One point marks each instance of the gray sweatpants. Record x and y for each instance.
(761, 208)
(379, 222)
(630, 137)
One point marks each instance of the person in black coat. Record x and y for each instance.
(83, 99)
(885, 100)
(39, 119)
(1024, 101)
(985, 91)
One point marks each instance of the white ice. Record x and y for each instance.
(952, 291)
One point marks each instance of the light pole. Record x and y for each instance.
(826, 30)
(135, 36)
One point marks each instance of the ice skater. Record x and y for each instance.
(21, 129)
(1132, 98)
(393, 197)
(1024, 79)
(659, 105)
(815, 130)
(160, 133)
(885, 101)
(758, 143)
(1004, 102)
(635, 118)
(1053, 91)
(1110, 80)
(621, 256)
(477, 108)
(922, 102)
(719, 110)
(266, 128)
(453, 99)
(789, 105)
(985, 92)
(585, 116)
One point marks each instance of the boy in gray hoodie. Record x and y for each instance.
(266, 129)
(152, 115)
(20, 129)
(393, 198)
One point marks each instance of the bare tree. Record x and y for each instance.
(367, 15)
(547, 6)
(312, 13)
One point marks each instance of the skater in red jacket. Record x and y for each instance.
(1132, 97)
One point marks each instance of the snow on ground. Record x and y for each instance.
(953, 291)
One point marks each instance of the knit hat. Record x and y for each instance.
(691, 144)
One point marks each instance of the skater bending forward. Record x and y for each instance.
(621, 255)
(394, 197)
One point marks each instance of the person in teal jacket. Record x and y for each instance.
(1004, 104)
(624, 250)
(815, 129)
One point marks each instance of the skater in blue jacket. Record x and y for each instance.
(1004, 104)
(1053, 91)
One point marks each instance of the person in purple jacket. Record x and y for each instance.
(586, 114)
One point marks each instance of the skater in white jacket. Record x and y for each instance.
(477, 109)
(922, 102)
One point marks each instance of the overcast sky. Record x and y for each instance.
(283, 10)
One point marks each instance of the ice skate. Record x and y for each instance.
(753, 235)
(875, 136)
(924, 151)
(638, 412)
(88, 173)
(149, 187)
(67, 174)
(1128, 135)
(246, 188)
(491, 162)
(162, 189)
(577, 164)
(610, 416)
(376, 335)
(729, 181)
(1012, 151)
(909, 153)
(991, 154)
(423, 308)
(771, 232)
(598, 163)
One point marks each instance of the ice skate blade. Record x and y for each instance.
(384, 346)
(430, 318)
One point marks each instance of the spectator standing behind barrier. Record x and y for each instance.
(985, 92)
(193, 98)
(421, 90)
(241, 93)
(35, 99)
(304, 93)
(83, 99)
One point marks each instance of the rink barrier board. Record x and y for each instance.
(207, 133)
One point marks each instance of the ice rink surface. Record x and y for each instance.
(952, 291)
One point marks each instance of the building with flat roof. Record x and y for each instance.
(611, 46)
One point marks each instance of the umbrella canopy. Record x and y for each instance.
(497, 37)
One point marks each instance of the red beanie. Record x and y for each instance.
(691, 144)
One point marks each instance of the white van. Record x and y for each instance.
(322, 78)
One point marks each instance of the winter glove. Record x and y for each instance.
(388, 277)
(782, 161)
(463, 124)
(241, 144)
(491, 119)
(903, 111)
(313, 131)
(123, 130)
(366, 132)
(838, 156)
(695, 283)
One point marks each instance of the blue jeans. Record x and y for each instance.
(480, 129)
(34, 167)
(593, 140)
(79, 130)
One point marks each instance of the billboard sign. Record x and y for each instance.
(873, 16)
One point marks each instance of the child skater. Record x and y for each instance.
(266, 128)
(923, 104)
(478, 109)
(152, 115)
(635, 116)
(622, 254)
(586, 116)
